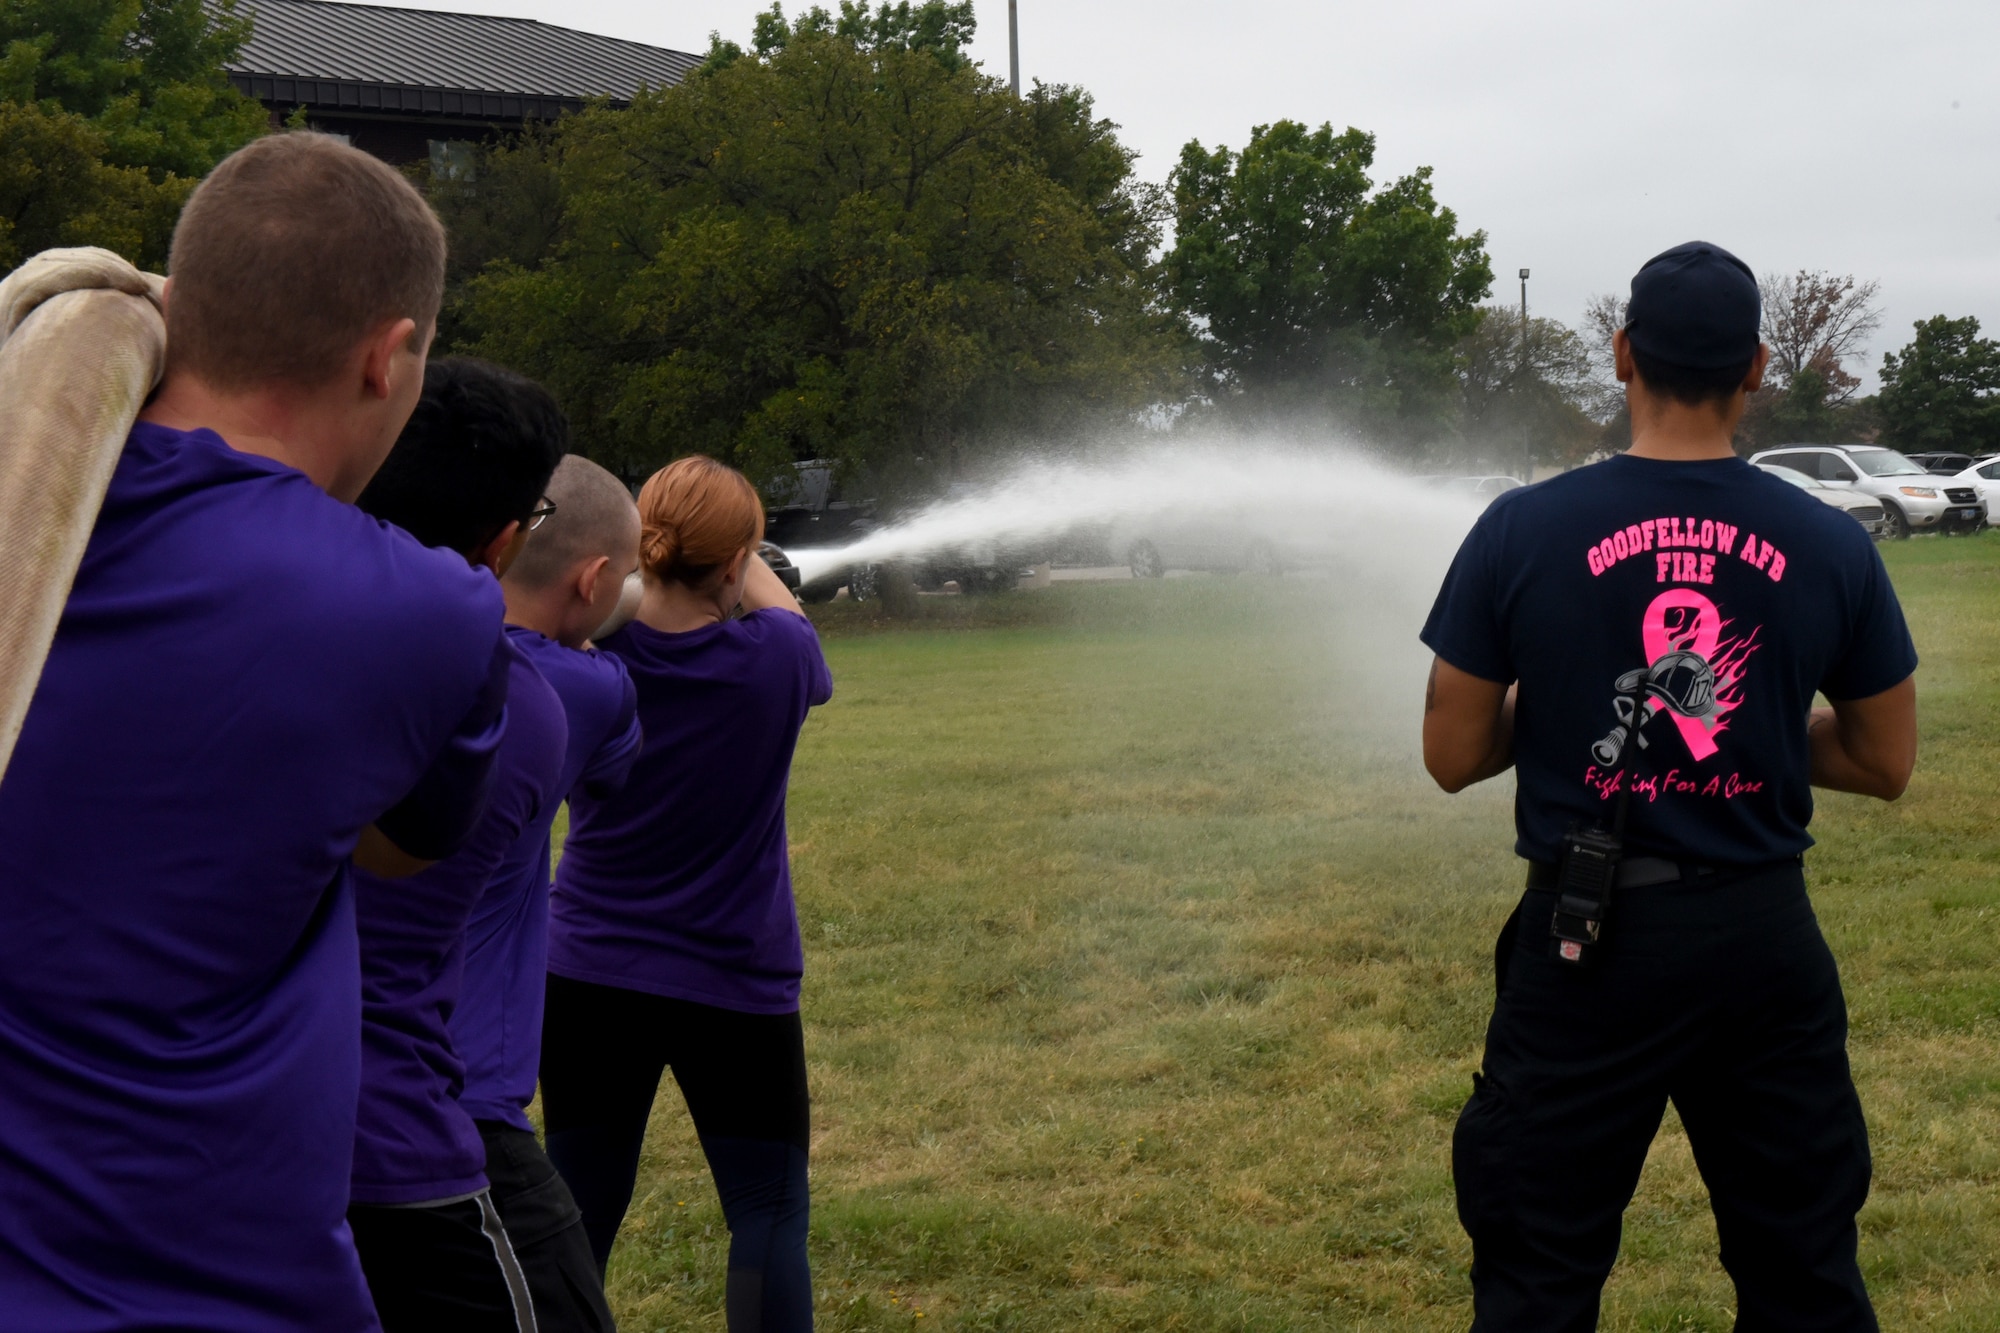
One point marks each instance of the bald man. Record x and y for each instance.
(564, 585)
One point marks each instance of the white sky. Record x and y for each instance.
(1857, 136)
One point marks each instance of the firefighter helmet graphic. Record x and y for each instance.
(1682, 682)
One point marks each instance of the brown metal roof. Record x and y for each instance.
(320, 53)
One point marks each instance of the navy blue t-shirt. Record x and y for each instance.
(1722, 597)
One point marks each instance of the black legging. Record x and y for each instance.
(744, 1078)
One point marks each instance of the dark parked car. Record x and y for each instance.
(1942, 464)
(809, 511)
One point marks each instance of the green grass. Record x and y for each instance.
(1146, 973)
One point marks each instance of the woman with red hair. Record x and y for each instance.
(673, 940)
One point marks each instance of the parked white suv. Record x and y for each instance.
(1912, 499)
(1984, 477)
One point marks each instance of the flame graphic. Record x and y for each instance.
(1732, 655)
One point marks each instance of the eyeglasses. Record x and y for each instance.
(540, 513)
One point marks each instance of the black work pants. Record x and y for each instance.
(604, 1049)
(441, 1266)
(546, 1229)
(1721, 996)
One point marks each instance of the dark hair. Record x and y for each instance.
(476, 456)
(1684, 384)
(293, 250)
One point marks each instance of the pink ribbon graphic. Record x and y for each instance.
(1698, 629)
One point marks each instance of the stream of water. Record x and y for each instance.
(1194, 506)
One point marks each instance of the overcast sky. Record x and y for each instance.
(1858, 137)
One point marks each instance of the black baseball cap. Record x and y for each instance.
(1695, 306)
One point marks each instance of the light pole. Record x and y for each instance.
(1014, 61)
(1527, 440)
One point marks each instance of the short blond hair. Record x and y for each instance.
(595, 515)
(288, 254)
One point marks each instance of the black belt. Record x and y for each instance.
(1634, 872)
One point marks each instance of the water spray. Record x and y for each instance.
(1310, 505)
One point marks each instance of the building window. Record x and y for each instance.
(453, 159)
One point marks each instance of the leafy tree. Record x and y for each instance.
(1523, 392)
(1814, 323)
(56, 189)
(1942, 391)
(1318, 293)
(845, 243)
(509, 211)
(111, 110)
(1603, 316)
(941, 28)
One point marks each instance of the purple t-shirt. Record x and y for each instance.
(497, 1026)
(414, 1142)
(247, 673)
(680, 884)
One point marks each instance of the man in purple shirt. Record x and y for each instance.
(563, 587)
(251, 681)
(468, 476)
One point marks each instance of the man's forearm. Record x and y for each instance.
(1500, 752)
(1468, 727)
(1838, 768)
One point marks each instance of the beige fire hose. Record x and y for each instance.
(83, 340)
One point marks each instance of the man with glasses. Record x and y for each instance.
(469, 474)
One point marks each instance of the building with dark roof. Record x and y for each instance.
(406, 83)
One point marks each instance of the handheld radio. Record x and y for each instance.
(1591, 856)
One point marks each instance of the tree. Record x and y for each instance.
(110, 112)
(1603, 394)
(56, 189)
(1315, 294)
(508, 211)
(1814, 323)
(1523, 396)
(844, 243)
(943, 29)
(1942, 391)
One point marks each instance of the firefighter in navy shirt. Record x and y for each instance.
(1642, 640)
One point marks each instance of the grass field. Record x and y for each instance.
(1146, 973)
